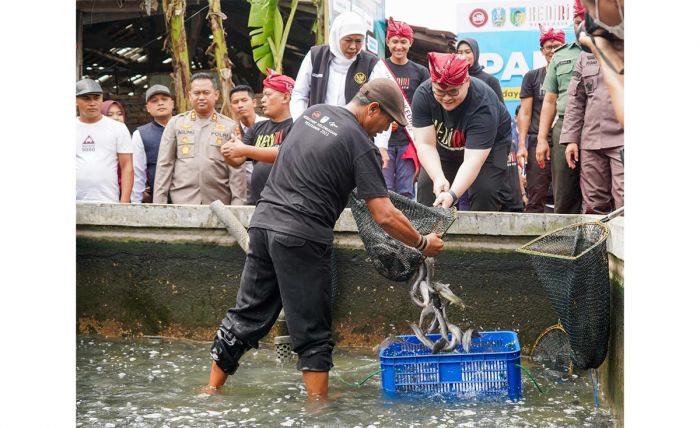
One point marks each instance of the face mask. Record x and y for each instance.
(616, 30)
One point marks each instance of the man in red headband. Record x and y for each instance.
(261, 144)
(400, 173)
(565, 181)
(463, 137)
(531, 98)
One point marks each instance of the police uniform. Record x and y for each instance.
(565, 181)
(191, 169)
(591, 123)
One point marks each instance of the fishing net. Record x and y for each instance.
(572, 264)
(392, 258)
(553, 349)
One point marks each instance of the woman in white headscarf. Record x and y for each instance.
(333, 73)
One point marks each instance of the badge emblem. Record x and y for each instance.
(360, 78)
(220, 127)
(193, 115)
(498, 16)
(185, 126)
(479, 17)
(517, 16)
(185, 150)
(214, 117)
(185, 140)
(316, 115)
(219, 141)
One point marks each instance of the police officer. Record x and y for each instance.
(191, 168)
(565, 181)
(590, 125)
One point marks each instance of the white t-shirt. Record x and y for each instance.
(96, 148)
(139, 169)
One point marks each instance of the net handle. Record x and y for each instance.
(612, 215)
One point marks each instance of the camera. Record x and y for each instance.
(589, 27)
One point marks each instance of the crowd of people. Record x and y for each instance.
(442, 136)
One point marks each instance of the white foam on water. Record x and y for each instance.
(121, 375)
(288, 423)
(153, 416)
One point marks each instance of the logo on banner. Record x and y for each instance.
(478, 17)
(498, 16)
(517, 16)
(316, 115)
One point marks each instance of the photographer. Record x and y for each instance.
(602, 33)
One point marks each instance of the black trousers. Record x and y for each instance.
(484, 193)
(282, 271)
(538, 179)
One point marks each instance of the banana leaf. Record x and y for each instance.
(266, 36)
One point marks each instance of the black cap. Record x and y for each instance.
(387, 93)
(157, 89)
(87, 86)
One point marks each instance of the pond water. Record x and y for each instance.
(150, 382)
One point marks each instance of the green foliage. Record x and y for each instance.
(269, 35)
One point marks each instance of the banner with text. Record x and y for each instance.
(508, 35)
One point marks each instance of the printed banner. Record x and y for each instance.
(508, 34)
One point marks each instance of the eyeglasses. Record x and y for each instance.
(452, 92)
(551, 48)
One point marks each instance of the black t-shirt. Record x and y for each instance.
(532, 87)
(325, 156)
(264, 134)
(409, 77)
(491, 81)
(481, 121)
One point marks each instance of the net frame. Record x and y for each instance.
(572, 265)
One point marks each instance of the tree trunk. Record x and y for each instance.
(175, 26)
(320, 22)
(220, 52)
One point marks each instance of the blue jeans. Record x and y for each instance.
(399, 173)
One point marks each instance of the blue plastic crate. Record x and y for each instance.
(488, 370)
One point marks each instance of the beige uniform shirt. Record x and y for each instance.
(590, 120)
(191, 169)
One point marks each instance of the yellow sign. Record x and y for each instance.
(360, 78)
(511, 94)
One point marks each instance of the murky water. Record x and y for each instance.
(154, 383)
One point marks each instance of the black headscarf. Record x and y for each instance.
(476, 67)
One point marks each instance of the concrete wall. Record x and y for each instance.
(130, 283)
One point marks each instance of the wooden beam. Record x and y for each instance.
(109, 56)
(79, 45)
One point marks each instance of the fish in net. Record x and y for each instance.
(572, 265)
(394, 259)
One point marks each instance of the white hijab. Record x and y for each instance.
(343, 25)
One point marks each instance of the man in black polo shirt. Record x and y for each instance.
(463, 137)
(326, 155)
